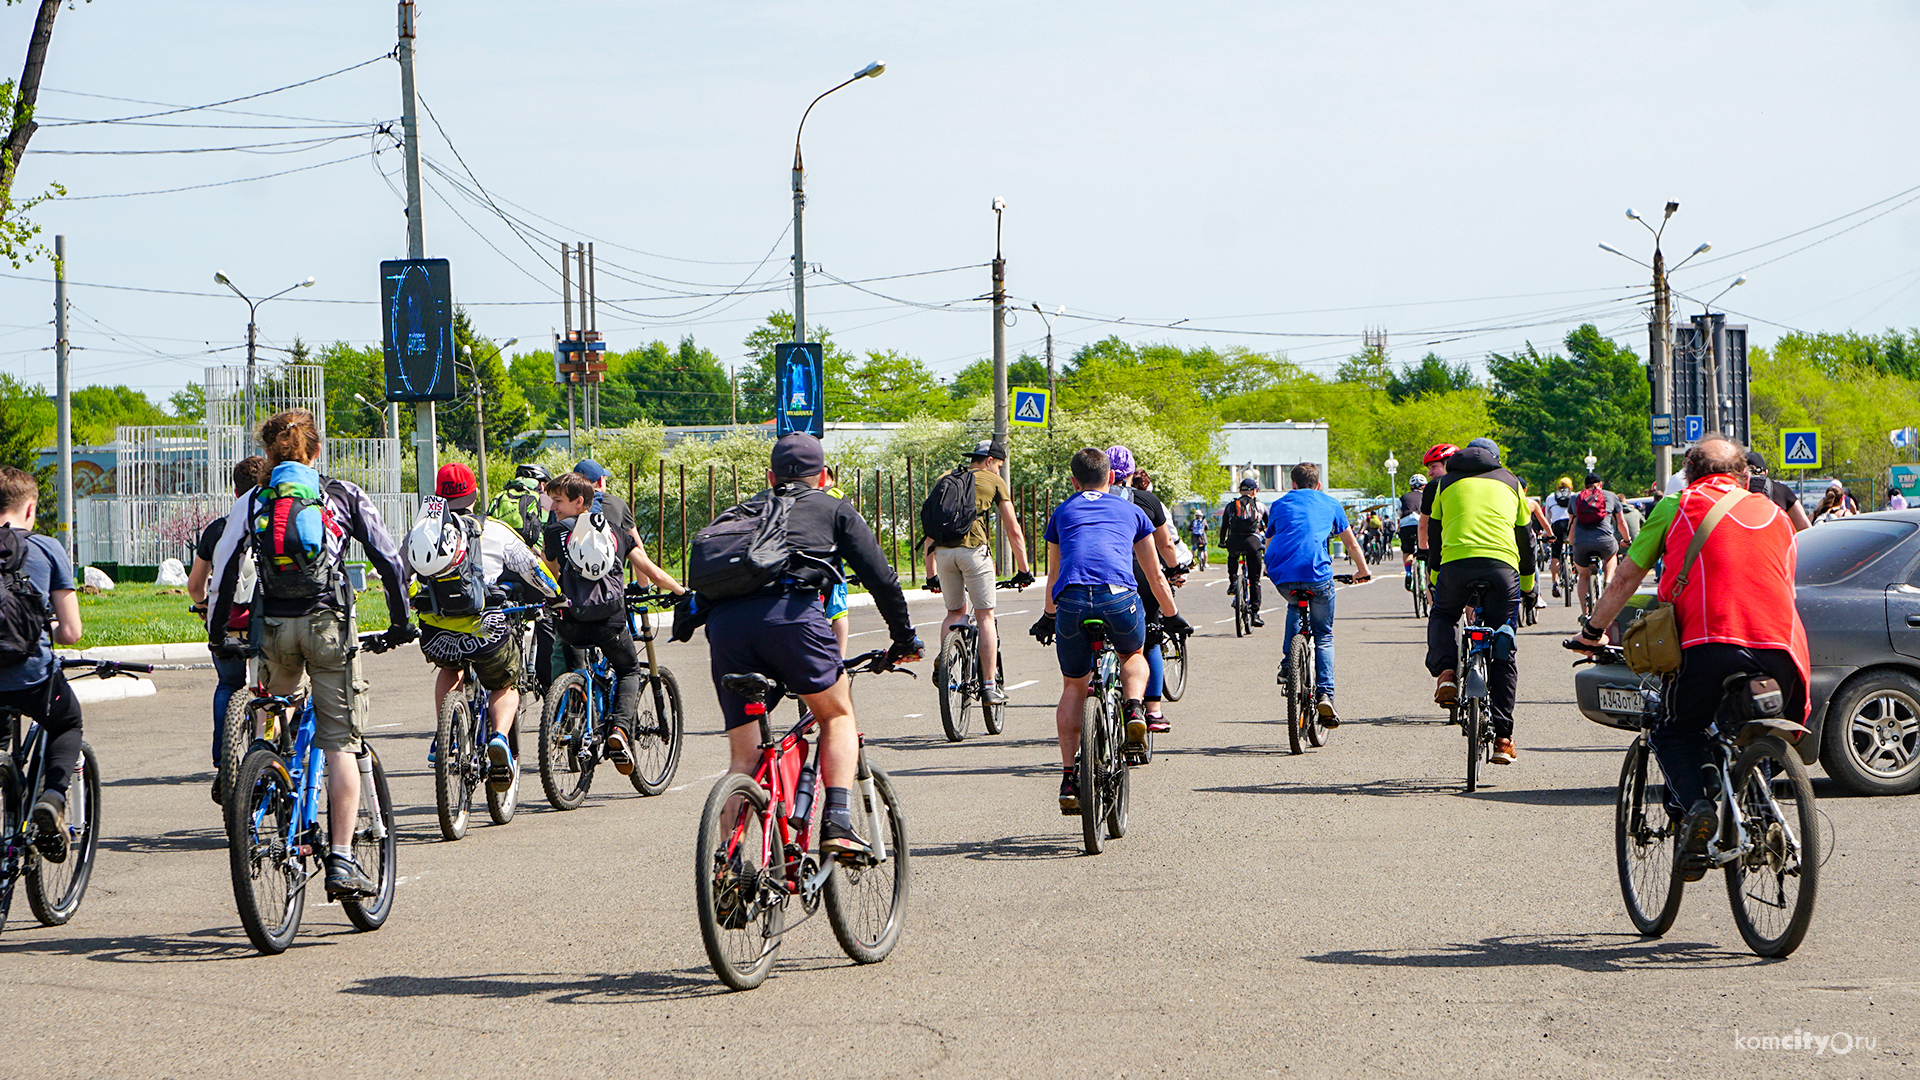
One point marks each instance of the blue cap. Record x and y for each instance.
(592, 469)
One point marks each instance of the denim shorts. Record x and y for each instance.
(1125, 618)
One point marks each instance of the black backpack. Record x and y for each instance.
(743, 550)
(462, 591)
(950, 508)
(23, 611)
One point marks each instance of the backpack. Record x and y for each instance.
(744, 549)
(461, 591)
(296, 540)
(520, 509)
(950, 508)
(23, 611)
(240, 617)
(1591, 507)
(1242, 517)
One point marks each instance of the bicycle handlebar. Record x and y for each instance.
(105, 669)
(874, 661)
(651, 597)
(1595, 654)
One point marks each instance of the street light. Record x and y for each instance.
(253, 306)
(871, 71)
(1721, 406)
(1661, 351)
(1393, 471)
(382, 413)
(1057, 312)
(1591, 461)
(480, 412)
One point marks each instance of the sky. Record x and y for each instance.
(1279, 176)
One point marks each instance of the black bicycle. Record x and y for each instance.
(460, 762)
(956, 675)
(576, 716)
(1472, 706)
(1104, 761)
(54, 889)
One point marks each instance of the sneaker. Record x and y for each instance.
(1157, 723)
(433, 753)
(1556, 590)
(50, 826)
(1446, 691)
(1691, 854)
(1328, 718)
(501, 768)
(993, 695)
(618, 742)
(1503, 752)
(839, 841)
(1070, 792)
(1136, 724)
(346, 881)
(1407, 580)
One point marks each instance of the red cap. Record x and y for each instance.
(455, 481)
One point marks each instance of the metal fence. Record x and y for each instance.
(146, 530)
(169, 459)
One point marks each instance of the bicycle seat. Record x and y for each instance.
(750, 685)
(1095, 629)
(1301, 595)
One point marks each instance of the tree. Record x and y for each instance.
(507, 411)
(356, 370)
(1368, 368)
(679, 386)
(1552, 410)
(1855, 405)
(1431, 375)
(17, 101)
(26, 417)
(99, 410)
(975, 381)
(533, 374)
(889, 385)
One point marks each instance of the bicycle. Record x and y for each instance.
(54, 889)
(956, 672)
(1422, 589)
(751, 856)
(1104, 763)
(1297, 676)
(1596, 584)
(1242, 604)
(573, 729)
(273, 823)
(1567, 577)
(1471, 710)
(460, 760)
(1768, 840)
(1199, 545)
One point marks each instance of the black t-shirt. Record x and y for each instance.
(1776, 492)
(209, 536)
(618, 513)
(1411, 502)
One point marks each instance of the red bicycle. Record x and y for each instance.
(755, 852)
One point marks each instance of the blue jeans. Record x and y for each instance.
(1125, 619)
(233, 676)
(1320, 620)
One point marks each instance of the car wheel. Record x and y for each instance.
(1872, 741)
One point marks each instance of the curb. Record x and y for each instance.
(118, 688)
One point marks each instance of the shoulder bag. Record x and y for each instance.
(1652, 641)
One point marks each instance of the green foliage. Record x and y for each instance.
(26, 414)
(1843, 354)
(890, 385)
(1553, 410)
(976, 379)
(351, 371)
(533, 374)
(1369, 369)
(507, 411)
(1802, 382)
(1431, 375)
(98, 410)
(1179, 387)
(758, 375)
(683, 386)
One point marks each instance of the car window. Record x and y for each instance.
(1835, 550)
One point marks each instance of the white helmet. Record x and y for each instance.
(436, 543)
(591, 546)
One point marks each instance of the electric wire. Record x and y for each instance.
(228, 101)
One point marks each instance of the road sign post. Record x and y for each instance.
(1031, 407)
(1663, 429)
(1696, 429)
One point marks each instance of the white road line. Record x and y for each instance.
(1217, 622)
(377, 727)
(1022, 685)
(912, 715)
(690, 783)
(1215, 581)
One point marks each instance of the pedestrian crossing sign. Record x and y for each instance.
(1030, 406)
(1800, 448)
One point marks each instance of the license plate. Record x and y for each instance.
(1627, 702)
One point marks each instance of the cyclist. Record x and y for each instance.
(1300, 524)
(1094, 541)
(1780, 494)
(1197, 537)
(228, 666)
(1479, 536)
(968, 565)
(1242, 522)
(30, 679)
(460, 560)
(1736, 615)
(1598, 525)
(591, 549)
(297, 525)
(522, 504)
(1410, 527)
(1137, 486)
(782, 631)
(1559, 507)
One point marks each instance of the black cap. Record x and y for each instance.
(988, 448)
(1756, 463)
(1249, 483)
(798, 454)
(1593, 478)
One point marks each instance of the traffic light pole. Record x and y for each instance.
(425, 441)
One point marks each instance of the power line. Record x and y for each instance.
(304, 144)
(217, 104)
(220, 183)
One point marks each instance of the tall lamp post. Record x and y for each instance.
(386, 428)
(1393, 473)
(871, 71)
(253, 307)
(1717, 420)
(480, 412)
(1057, 312)
(1660, 353)
(1591, 462)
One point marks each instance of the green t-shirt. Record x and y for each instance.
(989, 491)
(1476, 516)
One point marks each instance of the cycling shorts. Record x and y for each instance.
(1599, 550)
(1409, 539)
(1560, 536)
(1124, 615)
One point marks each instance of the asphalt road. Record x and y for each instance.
(1345, 912)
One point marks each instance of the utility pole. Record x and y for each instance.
(1659, 352)
(64, 400)
(1000, 329)
(733, 392)
(425, 441)
(1061, 310)
(479, 424)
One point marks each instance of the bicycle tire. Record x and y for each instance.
(566, 769)
(457, 767)
(1299, 658)
(952, 674)
(11, 846)
(1091, 766)
(741, 954)
(994, 717)
(657, 739)
(1470, 717)
(236, 736)
(1566, 581)
(1643, 839)
(1173, 655)
(1119, 779)
(501, 805)
(374, 850)
(1772, 923)
(1242, 617)
(54, 890)
(269, 881)
(866, 905)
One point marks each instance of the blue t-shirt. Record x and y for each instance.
(46, 566)
(1300, 523)
(1096, 531)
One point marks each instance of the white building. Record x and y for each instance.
(1269, 451)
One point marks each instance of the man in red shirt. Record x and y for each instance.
(1736, 614)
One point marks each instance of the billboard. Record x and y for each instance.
(416, 323)
(800, 388)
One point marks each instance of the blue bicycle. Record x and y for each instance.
(460, 756)
(276, 846)
(573, 725)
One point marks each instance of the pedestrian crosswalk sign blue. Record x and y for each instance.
(1800, 448)
(1030, 407)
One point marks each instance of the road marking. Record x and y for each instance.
(912, 715)
(1211, 584)
(1022, 685)
(690, 783)
(1217, 622)
(377, 727)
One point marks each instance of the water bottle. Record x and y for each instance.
(803, 798)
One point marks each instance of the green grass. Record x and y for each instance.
(145, 614)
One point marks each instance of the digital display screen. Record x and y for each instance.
(416, 314)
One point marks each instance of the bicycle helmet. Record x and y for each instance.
(591, 546)
(1417, 481)
(436, 543)
(1440, 452)
(531, 470)
(1565, 484)
(1120, 460)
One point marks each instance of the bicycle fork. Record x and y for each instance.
(369, 795)
(871, 798)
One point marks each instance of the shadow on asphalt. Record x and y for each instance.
(1391, 786)
(200, 778)
(214, 943)
(608, 989)
(1013, 848)
(1578, 952)
(1587, 796)
(210, 838)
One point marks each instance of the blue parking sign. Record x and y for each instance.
(1696, 428)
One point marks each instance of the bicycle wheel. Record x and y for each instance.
(994, 717)
(1092, 768)
(457, 768)
(1471, 714)
(1173, 652)
(659, 729)
(1119, 778)
(737, 899)
(866, 903)
(1566, 583)
(374, 844)
(953, 675)
(1773, 883)
(54, 889)
(566, 768)
(10, 839)
(1299, 698)
(269, 880)
(236, 736)
(1242, 616)
(1643, 837)
(501, 805)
